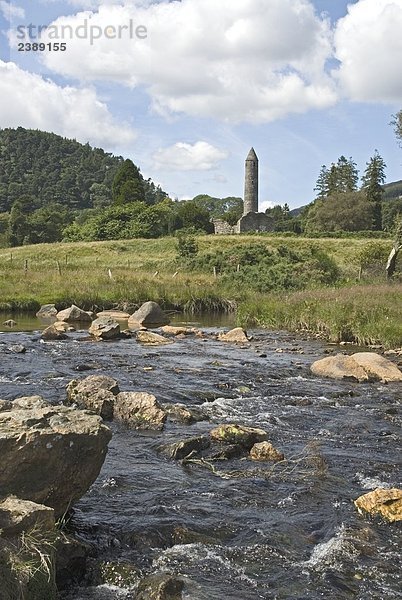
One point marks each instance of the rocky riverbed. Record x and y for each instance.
(235, 528)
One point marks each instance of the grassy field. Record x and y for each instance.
(148, 270)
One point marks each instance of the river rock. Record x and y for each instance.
(117, 315)
(151, 339)
(179, 413)
(362, 366)
(105, 328)
(171, 330)
(47, 311)
(139, 410)
(26, 402)
(180, 450)
(265, 451)
(386, 502)
(10, 323)
(149, 314)
(17, 349)
(18, 515)
(63, 326)
(5, 405)
(238, 434)
(51, 455)
(378, 367)
(96, 393)
(51, 333)
(74, 314)
(160, 587)
(237, 336)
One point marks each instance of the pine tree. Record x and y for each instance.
(372, 180)
(347, 175)
(321, 187)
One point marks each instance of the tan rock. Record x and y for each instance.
(386, 502)
(340, 366)
(139, 410)
(376, 366)
(104, 328)
(117, 315)
(63, 326)
(47, 311)
(151, 339)
(362, 366)
(74, 314)
(26, 402)
(51, 333)
(149, 314)
(238, 434)
(5, 405)
(18, 515)
(171, 330)
(95, 392)
(265, 451)
(51, 455)
(237, 336)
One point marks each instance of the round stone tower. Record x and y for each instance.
(251, 184)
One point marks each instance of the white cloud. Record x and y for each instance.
(11, 11)
(243, 60)
(368, 43)
(200, 156)
(28, 100)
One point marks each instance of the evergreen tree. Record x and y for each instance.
(128, 184)
(347, 175)
(321, 187)
(372, 181)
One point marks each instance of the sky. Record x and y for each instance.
(185, 87)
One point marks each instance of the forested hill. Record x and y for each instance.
(44, 168)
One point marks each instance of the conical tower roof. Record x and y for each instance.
(252, 155)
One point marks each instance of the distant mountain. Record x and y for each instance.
(393, 190)
(45, 168)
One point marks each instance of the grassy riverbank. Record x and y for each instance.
(128, 272)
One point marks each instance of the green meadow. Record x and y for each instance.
(359, 306)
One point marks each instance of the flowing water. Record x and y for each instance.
(291, 533)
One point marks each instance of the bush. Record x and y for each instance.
(257, 267)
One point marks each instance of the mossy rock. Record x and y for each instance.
(238, 434)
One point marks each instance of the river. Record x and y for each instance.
(288, 534)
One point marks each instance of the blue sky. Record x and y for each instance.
(302, 81)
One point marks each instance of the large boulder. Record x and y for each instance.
(236, 336)
(385, 502)
(149, 338)
(149, 314)
(96, 393)
(362, 366)
(139, 410)
(50, 455)
(47, 311)
(238, 434)
(74, 314)
(105, 328)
